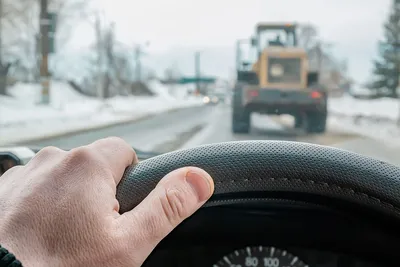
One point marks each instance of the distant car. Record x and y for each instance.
(213, 99)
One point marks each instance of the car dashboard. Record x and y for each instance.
(281, 230)
(277, 234)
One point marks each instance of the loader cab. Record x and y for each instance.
(276, 42)
(281, 63)
(278, 35)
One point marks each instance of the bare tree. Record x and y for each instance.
(69, 13)
(109, 41)
(308, 36)
(10, 13)
(321, 58)
(151, 75)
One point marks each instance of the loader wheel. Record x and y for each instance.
(241, 122)
(298, 121)
(316, 122)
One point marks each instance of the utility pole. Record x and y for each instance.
(397, 53)
(197, 70)
(44, 43)
(138, 69)
(100, 64)
(1, 32)
(138, 56)
(319, 61)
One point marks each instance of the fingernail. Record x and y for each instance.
(201, 183)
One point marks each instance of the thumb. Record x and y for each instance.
(176, 197)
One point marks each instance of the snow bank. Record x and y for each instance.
(22, 118)
(388, 133)
(170, 91)
(159, 89)
(23, 106)
(374, 118)
(349, 106)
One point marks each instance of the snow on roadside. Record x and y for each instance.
(349, 106)
(374, 118)
(21, 118)
(386, 132)
(23, 106)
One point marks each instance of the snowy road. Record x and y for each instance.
(160, 124)
(202, 125)
(149, 134)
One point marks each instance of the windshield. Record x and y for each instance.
(173, 74)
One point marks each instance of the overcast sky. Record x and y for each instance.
(353, 26)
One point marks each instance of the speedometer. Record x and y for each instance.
(260, 256)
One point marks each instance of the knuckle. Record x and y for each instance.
(80, 156)
(16, 168)
(117, 141)
(48, 151)
(12, 170)
(44, 154)
(174, 205)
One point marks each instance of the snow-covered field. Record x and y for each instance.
(22, 118)
(384, 108)
(376, 118)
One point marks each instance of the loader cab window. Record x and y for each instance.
(277, 36)
(277, 41)
(246, 55)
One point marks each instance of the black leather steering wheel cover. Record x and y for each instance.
(274, 166)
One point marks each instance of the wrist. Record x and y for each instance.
(8, 259)
(22, 255)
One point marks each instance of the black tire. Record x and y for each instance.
(240, 115)
(298, 121)
(316, 122)
(241, 122)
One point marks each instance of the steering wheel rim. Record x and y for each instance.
(247, 167)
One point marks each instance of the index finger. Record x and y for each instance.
(117, 154)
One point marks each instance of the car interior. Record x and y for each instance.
(276, 203)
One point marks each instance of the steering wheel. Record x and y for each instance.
(244, 170)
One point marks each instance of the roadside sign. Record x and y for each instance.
(186, 80)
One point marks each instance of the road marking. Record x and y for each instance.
(200, 137)
(272, 251)
(294, 260)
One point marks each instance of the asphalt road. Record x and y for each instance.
(263, 128)
(211, 124)
(147, 134)
(195, 126)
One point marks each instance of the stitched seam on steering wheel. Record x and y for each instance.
(346, 190)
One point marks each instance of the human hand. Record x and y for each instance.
(60, 209)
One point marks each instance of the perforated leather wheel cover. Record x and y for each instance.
(271, 166)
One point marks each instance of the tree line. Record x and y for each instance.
(386, 67)
(107, 64)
